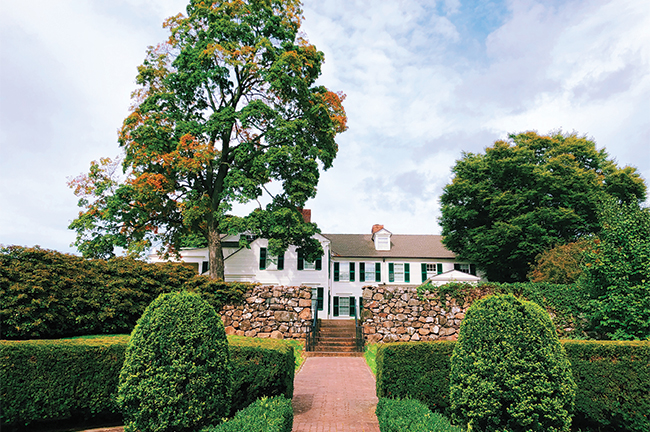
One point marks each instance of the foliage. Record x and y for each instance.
(416, 370)
(617, 272)
(560, 264)
(298, 346)
(566, 303)
(226, 110)
(48, 294)
(49, 380)
(264, 415)
(613, 384)
(410, 415)
(613, 389)
(509, 371)
(176, 374)
(40, 379)
(261, 367)
(527, 194)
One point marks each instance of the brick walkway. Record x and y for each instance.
(334, 394)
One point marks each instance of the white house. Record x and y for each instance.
(349, 263)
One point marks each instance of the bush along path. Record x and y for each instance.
(334, 394)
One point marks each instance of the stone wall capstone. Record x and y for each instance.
(395, 314)
(270, 311)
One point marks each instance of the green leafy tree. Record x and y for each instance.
(176, 374)
(527, 194)
(617, 272)
(509, 371)
(227, 110)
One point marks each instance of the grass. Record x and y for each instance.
(370, 354)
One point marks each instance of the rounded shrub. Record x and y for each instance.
(509, 371)
(176, 374)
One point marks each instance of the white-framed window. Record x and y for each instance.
(399, 272)
(344, 271)
(382, 242)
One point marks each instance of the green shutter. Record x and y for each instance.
(336, 306)
(407, 272)
(301, 263)
(320, 298)
(262, 258)
(377, 272)
(336, 271)
(281, 261)
(423, 267)
(353, 309)
(391, 272)
(472, 269)
(362, 272)
(319, 264)
(351, 272)
(439, 266)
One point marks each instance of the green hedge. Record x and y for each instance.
(416, 370)
(613, 384)
(613, 380)
(410, 415)
(260, 367)
(46, 294)
(264, 415)
(46, 380)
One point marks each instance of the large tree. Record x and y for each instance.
(526, 195)
(227, 110)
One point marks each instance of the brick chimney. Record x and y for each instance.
(376, 228)
(306, 215)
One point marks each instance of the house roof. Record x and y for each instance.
(401, 246)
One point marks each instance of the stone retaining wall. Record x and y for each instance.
(270, 311)
(395, 314)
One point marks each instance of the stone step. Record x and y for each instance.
(340, 334)
(333, 354)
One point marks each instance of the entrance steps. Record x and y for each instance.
(336, 338)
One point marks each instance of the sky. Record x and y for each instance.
(425, 81)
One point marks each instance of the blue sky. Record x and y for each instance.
(424, 80)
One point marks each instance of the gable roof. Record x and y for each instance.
(401, 246)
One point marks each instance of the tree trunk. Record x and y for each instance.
(215, 255)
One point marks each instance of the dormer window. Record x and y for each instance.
(381, 237)
(382, 242)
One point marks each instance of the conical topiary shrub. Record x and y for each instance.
(509, 371)
(176, 374)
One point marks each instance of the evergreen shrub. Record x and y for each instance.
(46, 294)
(509, 371)
(261, 367)
(410, 415)
(176, 374)
(613, 385)
(264, 415)
(50, 380)
(612, 378)
(40, 379)
(416, 370)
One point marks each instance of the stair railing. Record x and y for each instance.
(359, 331)
(312, 332)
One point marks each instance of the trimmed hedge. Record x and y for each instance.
(264, 415)
(410, 415)
(176, 373)
(612, 378)
(46, 294)
(43, 380)
(613, 384)
(418, 370)
(260, 367)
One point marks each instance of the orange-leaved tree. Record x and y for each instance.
(225, 106)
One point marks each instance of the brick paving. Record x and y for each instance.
(334, 394)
